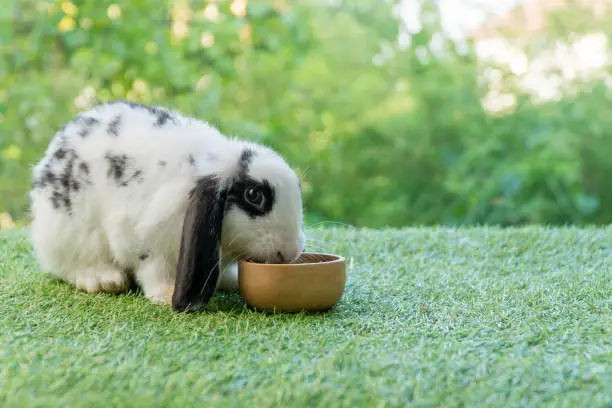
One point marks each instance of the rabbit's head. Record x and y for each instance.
(250, 208)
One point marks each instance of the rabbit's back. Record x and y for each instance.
(112, 186)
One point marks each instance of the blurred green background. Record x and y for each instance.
(391, 117)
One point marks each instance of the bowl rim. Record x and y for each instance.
(336, 259)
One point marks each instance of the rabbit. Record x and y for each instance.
(132, 192)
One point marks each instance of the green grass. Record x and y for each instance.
(430, 317)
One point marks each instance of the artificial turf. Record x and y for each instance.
(430, 317)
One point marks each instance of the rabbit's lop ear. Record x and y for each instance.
(197, 271)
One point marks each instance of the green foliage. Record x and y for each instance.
(406, 141)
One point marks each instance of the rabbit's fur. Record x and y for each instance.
(132, 191)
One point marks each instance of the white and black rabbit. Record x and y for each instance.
(128, 190)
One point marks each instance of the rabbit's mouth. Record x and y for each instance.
(257, 260)
(278, 259)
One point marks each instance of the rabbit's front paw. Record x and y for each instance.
(103, 278)
(155, 277)
(162, 296)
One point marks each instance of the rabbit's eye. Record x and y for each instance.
(254, 196)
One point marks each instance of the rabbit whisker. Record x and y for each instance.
(209, 275)
(217, 264)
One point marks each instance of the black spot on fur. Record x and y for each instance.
(162, 163)
(161, 115)
(87, 124)
(162, 118)
(84, 125)
(142, 257)
(113, 126)
(60, 153)
(191, 160)
(65, 180)
(136, 105)
(89, 121)
(121, 170)
(56, 198)
(116, 166)
(245, 160)
(61, 175)
(45, 178)
(84, 168)
(137, 175)
(67, 202)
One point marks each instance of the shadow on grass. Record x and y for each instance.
(221, 302)
(234, 302)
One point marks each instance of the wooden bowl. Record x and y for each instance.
(314, 282)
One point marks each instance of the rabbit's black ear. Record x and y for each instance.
(197, 270)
